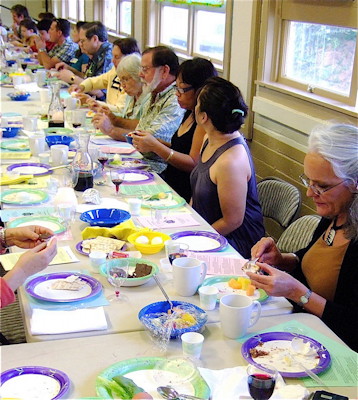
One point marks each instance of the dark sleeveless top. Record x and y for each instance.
(206, 200)
(180, 180)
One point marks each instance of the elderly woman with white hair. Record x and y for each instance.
(324, 275)
(128, 73)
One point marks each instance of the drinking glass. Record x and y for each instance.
(67, 213)
(78, 118)
(117, 177)
(174, 249)
(261, 381)
(117, 272)
(158, 216)
(102, 158)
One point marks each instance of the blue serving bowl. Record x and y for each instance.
(107, 217)
(58, 139)
(129, 139)
(151, 312)
(10, 132)
(19, 97)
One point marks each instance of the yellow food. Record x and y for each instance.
(234, 284)
(250, 290)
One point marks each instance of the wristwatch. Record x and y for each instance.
(72, 79)
(305, 298)
(41, 50)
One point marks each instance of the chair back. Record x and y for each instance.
(298, 235)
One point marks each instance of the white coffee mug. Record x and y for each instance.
(37, 143)
(134, 206)
(59, 154)
(236, 314)
(71, 103)
(30, 123)
(188, 274)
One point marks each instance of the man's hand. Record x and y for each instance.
(26, 237)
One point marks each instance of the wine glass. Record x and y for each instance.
(175, 250)
(117, 272)
(117, 177)
(78, 118)
(261, 381)
(102, 158)
(67, 213)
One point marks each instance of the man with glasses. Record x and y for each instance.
(64, 49)
(161, 114)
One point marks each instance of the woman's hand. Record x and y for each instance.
(75, 88)
(103, 123)
(26, 237)
(276, 283)
(61, 65)
(266, 251)
(64, 75)
(144, 141)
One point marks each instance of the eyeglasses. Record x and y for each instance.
(124, 79)
(183, 90)
(316, 189)
(146, 69)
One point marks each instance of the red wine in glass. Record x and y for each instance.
(24, 66)
(102, 160)
(261, 386)
(117, 182)
(76, 125)
(174, 256)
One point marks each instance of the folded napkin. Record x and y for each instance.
(121, 231)
(45, 322)
(15, 155)
(31, 87)
(231, 383)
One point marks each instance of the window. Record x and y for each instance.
(117, 16)
(75, 10)
(317, 48)
(193, 28)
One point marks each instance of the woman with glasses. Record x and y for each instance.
(224, 182)
(183, 152)
(324, 274)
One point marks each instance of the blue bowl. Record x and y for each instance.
(10, 132)
(149, 314)
(129, 139)
(58, 139)
(9, 63)
(19, 97)
(107, 217)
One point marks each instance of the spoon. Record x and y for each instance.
(164, 292)
(170, 393)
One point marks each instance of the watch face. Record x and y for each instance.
(304, 300)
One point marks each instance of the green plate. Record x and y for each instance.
(29, 196)
(58, 131)
(132, 263)
(182, 371)
(160, 205)
(15, 145)
(52, 223)
(221, 283)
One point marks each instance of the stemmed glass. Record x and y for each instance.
(261, 381)
(117, 177)
(117, 273)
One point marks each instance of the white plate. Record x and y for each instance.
(44, 290)
(199, 243)
(30, 170)
(46, 224)
(133, 177)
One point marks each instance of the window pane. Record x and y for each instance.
(110, 14)
(210, 34)
(125, 17)
(81, 10)
(72, 9)
(321, 56)
(174, 27)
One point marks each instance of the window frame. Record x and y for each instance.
(192, 24)
(278, 14)
(116, 32)
(80, 5)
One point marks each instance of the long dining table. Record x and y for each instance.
(84, 354)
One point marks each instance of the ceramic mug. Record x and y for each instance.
(71, 103)
(236, 314)
(30, 123)
(188, 274)
(37, 144)
(59, 154)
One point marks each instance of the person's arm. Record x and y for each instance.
(231, 187)
(124, 123)
(103, 123)
(45, 60)
(26, 237)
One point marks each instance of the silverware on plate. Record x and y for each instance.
(167, 392)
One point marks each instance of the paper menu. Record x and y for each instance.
(64, 256)
(221, 264)
(171, 221)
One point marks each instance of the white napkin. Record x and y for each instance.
(31, 87)
(231, 383)
(105, 203)
(276, 306)
(45, 322)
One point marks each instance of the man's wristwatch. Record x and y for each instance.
(305, 298)
(72, 79)
(41, 50)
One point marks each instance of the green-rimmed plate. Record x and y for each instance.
(24, 196)
(151, 372)
(58, 131)
(221, 282)
(173, 201)
(15, 145)
(52, 223)
(132, 264)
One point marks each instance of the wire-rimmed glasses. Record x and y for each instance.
(316, 189)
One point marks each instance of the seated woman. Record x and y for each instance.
(324, 274)
(224, 183)
(183, 153)
(128, 73)
(28, 31)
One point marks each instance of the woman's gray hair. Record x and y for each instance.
(338, 144)
(130, 65)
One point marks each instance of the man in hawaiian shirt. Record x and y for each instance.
(65, 48)
(161, 114)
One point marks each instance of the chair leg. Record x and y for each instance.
(3, 339)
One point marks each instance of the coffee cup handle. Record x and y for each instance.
(78, 103)
(203, 273)
(258, 313)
